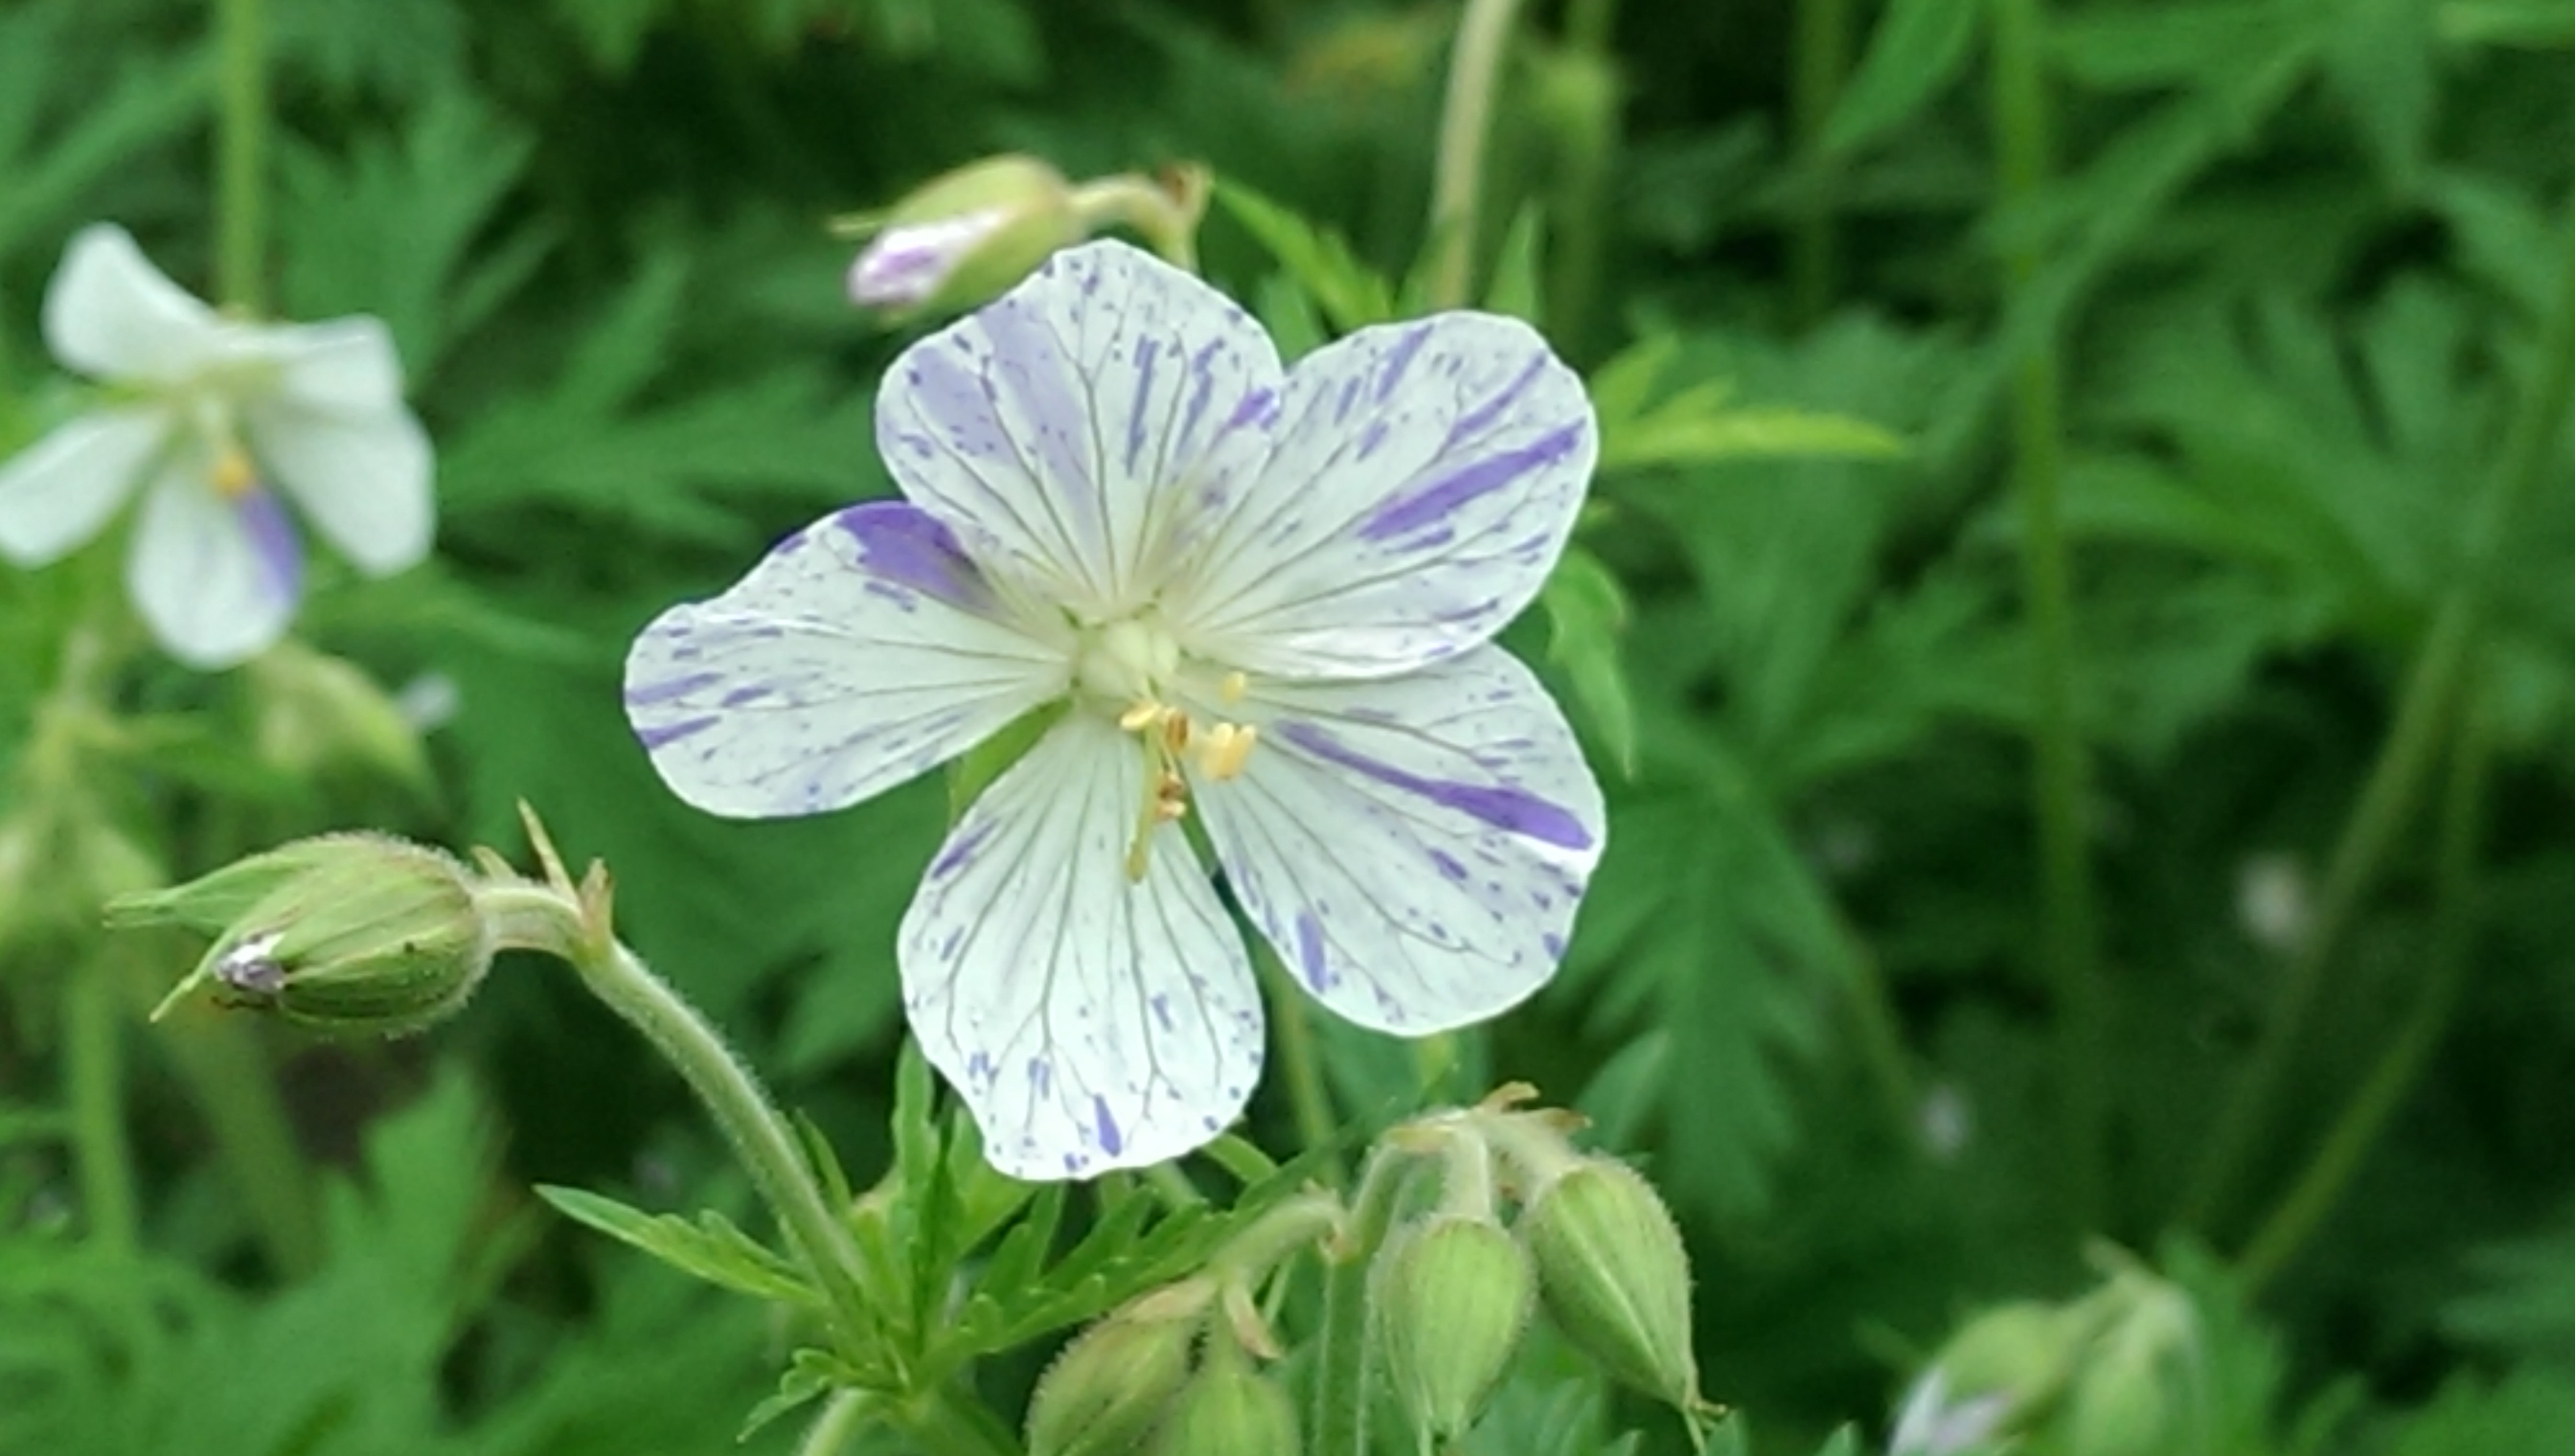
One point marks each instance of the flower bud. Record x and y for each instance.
(346, 931)
(1993, 1378)
(1110, 1387)
(963, 238)
(1231, 1409)
(2130, 1397)
(1614, 1277)
(317, 713)
(1451, 1297)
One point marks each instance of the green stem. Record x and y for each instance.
(1341, 1387)
(2347, 1145)
(230, 1081)
(2060, 784)
(845, 1415)
(542, 918)
(1823, 63)
(942, 1423)
(241, 155)
(94, 1077)
(1592, 125)
(1300, 1063)
(2388, 797)
(1881, 1038)
(1465, 128)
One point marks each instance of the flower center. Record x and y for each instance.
(1134, 669)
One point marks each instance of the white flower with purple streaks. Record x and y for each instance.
(1262, 598)
(205, 414)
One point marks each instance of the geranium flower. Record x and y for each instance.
(1258, 600)
(212, 418)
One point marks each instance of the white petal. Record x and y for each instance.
(1423, 480)
(345, 364)
(362, 474)
(216, 579)
(1090, 1022)
(1068, 431)
(1415, 847)
(58, 492)
(112, 315)
(863, 650)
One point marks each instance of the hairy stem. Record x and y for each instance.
(2462, 829)
(94, 1085)
(241, 155)
(1465, 128)
(1341, 1386)
(2060, 784)
(2424, 709)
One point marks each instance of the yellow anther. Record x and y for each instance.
(1175, 732)
(1226, 747)
(234, 476)
(1143, 715)
(1232, 688)
(1171, 797)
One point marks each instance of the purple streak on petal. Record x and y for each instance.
(741, 696)
(1309, 952)
(957, 401)
(1147, 350)
(272, 536)
(1554, 944)
(669, 689)
(1502, 806)
(1041, 1075)
(1410, 513)
(1399, 359)
(1448, 865)
(1260, 407)
(959, 849)
(1111, 1141)
(906, 546)
(1203, 366)
(1161, 1006)
(1027, 354)
(661, 736)
(1473, 422)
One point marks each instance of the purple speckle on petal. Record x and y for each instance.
(1399, 359)
(1111, 1141)
(1161, 1006)
(1309, 952)
(671, 690)
(1448, 865)
(1502, 806)
(1041, 1075)
(1432, 503)
(908, 547)
(1473, 422)
(272, 537)
(661, 736)
(1554, 944)
(959, 850)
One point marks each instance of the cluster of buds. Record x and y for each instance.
(2113, 1373)
(1453, 1291)
(1176, 1371)
(345, 932)
(966, 237)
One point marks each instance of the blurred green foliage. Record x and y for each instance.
(2297, 264)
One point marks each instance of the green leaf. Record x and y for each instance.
(47, 174)
(1697, 426)
(1918, 50)
(1586, 612)
(1351, 294)
(1518, 270)
(712, 1248)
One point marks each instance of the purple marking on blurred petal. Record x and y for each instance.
(959, 849)
(1399, 359)
(1145, 352)
(1406, 514)
(909, 546)
(906, 264)
(1111, 1141)
(1475, 421)
(1309, 952)
(661, 736)
(1502, 806)
(654, 694)
(272, 536)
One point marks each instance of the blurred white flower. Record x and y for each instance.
(1938, 1422)
(1258, 596)
(212, 419)
(2274, 901)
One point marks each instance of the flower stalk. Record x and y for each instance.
(2060, 785)
(1466, 134)
(1343, 1388)
(94, 1077)
(241, 155)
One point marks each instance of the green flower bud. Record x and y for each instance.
(2131, 1397)
(316, 713)
(965, 238)
(347, 932)
(1231, 1409)
(1111, 1386)
(1614, 1277)
(1995, 1378)
(1451, 1297)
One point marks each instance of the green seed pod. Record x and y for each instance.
(963, 238)
(1614, 1277)
(1231, 1409)
(1451, 1298)
(355, 932)
(1110, 1387)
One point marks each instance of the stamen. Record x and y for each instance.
(1176, 732)
(1228, 748)
(1140, 716)
(1232, 688)
(234, 476)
